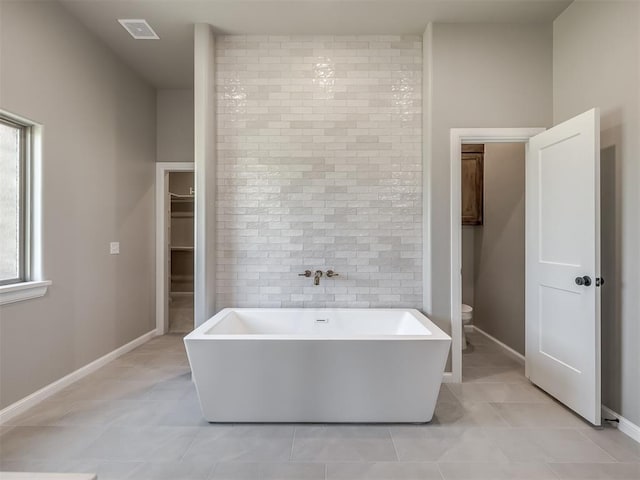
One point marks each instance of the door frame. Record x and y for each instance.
(162, 284)
(458, 136)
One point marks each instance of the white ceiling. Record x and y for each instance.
(168, 62)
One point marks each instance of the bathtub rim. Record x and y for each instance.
(435, 332)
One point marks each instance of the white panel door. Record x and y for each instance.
(563, 263)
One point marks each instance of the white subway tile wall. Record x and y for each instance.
(319, 167)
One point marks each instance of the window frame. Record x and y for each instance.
(31, 283)
(24, 198)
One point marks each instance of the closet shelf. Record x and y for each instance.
(178, 198)
(181, 248)
(182, 214)
(181, 278)
(181, 294)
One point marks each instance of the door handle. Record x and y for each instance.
(585, 280)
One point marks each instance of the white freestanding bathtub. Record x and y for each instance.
(317, 365)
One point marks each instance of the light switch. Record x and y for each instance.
(114, 248)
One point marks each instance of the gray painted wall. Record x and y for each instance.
(499, 247)
(597, 63)
(175, 125)
(98, 156)
(482, 76)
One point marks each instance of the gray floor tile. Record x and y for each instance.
(597, 471)
(46, 443)
(41, 415)
(268, 471)
(141, 444)
(445, 395)
(184, 412)
(107, 413)
(444, 444)
(489, 360)
(496, 471)
(171, 471)
(539, 415)
(260, 443)
(174, 389)
(181, 314)
(493, 375)
(467, 414)
(92, 389)
(499, 393)
(104, 470)
(53, 466)
(383, 471)
(139, 417)
(546, 445)
(342, 443)
(615, 443)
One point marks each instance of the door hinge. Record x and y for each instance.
(599, 281)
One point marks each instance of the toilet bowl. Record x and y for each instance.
(467, 317)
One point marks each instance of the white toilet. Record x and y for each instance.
(467, 317)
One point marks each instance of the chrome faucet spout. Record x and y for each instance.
(316, 278)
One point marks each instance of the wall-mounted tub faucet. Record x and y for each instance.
(318, 275)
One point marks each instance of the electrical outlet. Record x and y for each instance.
(114, 248)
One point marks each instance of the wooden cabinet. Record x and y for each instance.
(472, 184)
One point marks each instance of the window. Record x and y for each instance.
(20, 231)
(14, 151)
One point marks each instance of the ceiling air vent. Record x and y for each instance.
(139, 29)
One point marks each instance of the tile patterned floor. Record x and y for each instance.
(138, 418)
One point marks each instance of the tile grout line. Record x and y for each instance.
(615, 460)
(505, 420)
(393, 442)
(186, 450)
(212, 473)
(553, 472)
(293, 441)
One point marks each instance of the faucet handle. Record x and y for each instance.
(307, 273)
(331, 273)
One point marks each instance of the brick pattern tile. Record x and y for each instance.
(319, 167)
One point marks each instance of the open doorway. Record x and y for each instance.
(180, 236)
(460, 137)
(562, 258)
(493, 257)
(175, 201)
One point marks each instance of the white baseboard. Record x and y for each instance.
(29, 401)
(625, 426)
(518, 357)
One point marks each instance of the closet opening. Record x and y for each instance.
(175, 201)
(181, 263)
